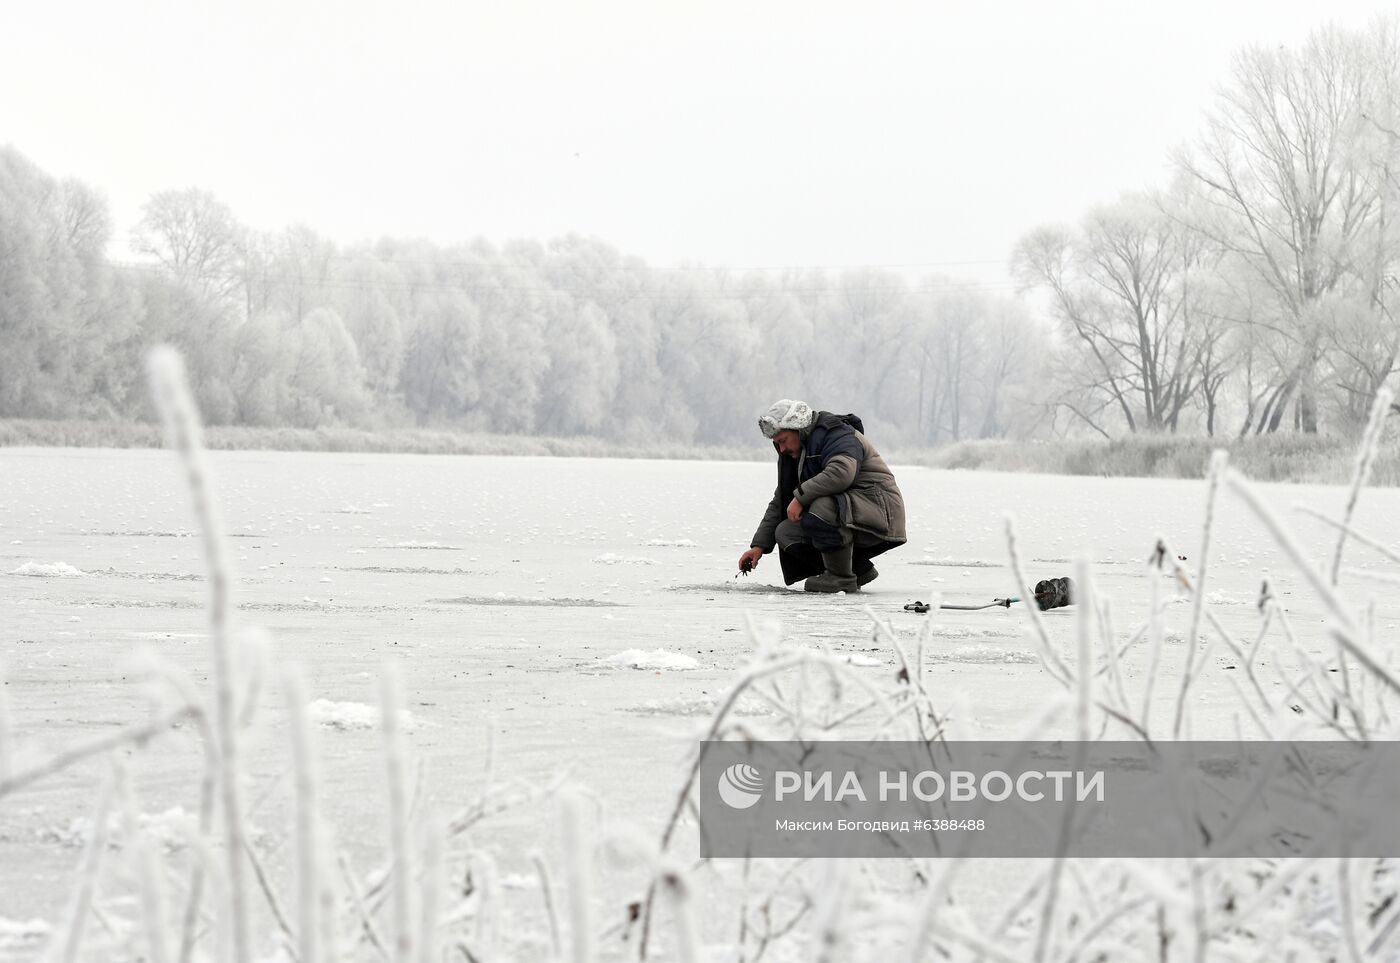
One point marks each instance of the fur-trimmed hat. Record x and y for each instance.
(786, 415)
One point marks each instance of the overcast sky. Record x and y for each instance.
(741, 134)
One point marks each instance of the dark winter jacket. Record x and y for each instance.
(838, 460)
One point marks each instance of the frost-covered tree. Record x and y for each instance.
(1293, 192)
(576, 391)
(439, 372)
(195, 236)
(259, 372)
(325, 382)
(68, 321)
(365, 299)
(1123, 287)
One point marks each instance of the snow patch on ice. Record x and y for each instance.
(963, 632)
(23, 934)
(519, 881)
(950, 562)
(864, 661)
(1223, 598)
(1173, 637)
(989, 654)
(347, 716)
(608, 558)
(406, 570)
(655, 659)
(49, 570)
(171, 830)
(504, 598)
(734, 585)
(671, 543)
(701, 705)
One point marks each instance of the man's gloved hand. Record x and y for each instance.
(749, 560)
(794, 512)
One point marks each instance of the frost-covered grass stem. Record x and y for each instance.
(400, 846)
(172, 397)
(578, 869)
(1345, 632)
(142, 863)
(307, 821)
(65, 758)
(6, 729)
(1365, 459)
(676, 888)
(1218, 461)
(547, 894)
(1053, 662)
(86, 884)
(432, 890)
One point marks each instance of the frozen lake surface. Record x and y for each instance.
(575, 618)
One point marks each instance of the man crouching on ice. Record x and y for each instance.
(836, 506)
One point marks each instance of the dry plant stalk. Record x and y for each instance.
(1365, 459)
(578, 869)
(98, 745)
(1346, 632)
(547, 893)
(307, 821)
(142, 861)
(88, 872)
(172, 397)
(1083, 706)
(1053, 663)
(432, 889)
(400, 848)
(6, 730)
(1218, 462)
(676, 888)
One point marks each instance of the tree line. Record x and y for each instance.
(563, 337)
(1253, 294)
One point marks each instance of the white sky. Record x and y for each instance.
(741, 134)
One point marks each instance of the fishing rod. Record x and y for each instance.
(922, 607)
(1050, 593)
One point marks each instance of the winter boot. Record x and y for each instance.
(838, 577)
(865, 572)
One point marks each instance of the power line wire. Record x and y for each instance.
(368, 255)
(580, 291)
(689, 268)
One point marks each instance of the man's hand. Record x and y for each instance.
(794, 511)
(749, 560)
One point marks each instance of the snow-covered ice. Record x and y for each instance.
(516, 607)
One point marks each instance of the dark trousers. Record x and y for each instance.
(801, 543)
